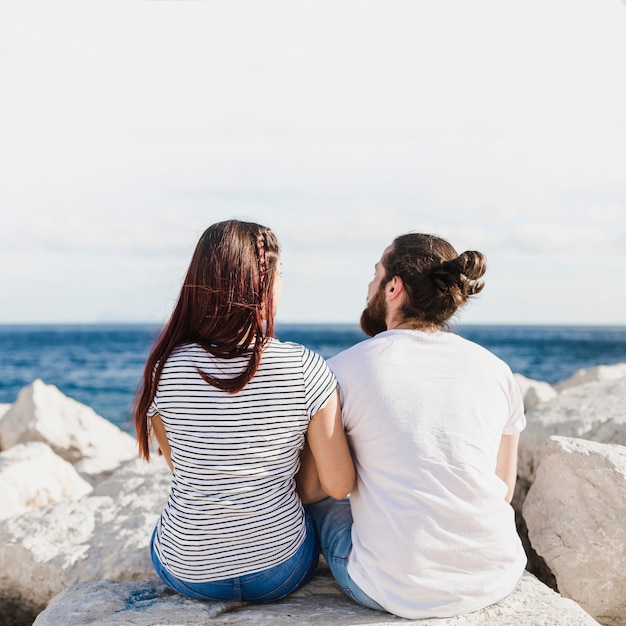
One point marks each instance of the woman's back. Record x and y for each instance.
(233, 508)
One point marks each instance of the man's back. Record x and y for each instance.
(425, 412)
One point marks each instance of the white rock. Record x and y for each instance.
(149, 603)
(103, 535)
(32, 475)
(575, 513)
(534, 392)
(74, 431)
(593, 374)
(3, 409)
(595, 411)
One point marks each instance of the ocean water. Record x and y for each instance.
(101, 365)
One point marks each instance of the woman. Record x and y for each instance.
(230, 406)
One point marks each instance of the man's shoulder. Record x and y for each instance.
(357, 353)
(481, 355)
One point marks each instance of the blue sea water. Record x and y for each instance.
(101, 365)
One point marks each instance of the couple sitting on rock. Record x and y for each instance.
(265, 439)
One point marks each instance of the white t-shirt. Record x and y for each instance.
(233, 508)
(424, 413)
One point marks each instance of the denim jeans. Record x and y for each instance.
(271, 584)
(333, 520)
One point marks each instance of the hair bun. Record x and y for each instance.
(458, 278)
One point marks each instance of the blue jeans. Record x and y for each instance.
(333, 520)
(270, 584)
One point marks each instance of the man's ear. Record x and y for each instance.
(394, 289)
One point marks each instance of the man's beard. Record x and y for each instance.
(374, 315)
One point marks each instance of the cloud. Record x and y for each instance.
(575, 241)
(129, 127)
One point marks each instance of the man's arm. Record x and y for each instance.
(506, 466)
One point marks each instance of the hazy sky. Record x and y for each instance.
(127, 127)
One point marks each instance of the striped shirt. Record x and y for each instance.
(233, 509)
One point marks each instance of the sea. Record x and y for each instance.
(101, 365)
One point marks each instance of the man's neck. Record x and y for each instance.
(411, 325)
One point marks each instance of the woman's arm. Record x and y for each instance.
(164, 445)
(506, 467)
(326, 462)
(308, 483)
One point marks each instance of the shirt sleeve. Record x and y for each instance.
(319, 381)
(152, 409)
(517, 419)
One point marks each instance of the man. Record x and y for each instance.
(433, 421)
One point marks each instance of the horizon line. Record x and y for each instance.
(312, 323)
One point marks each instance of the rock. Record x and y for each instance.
(103, 535)
(3, 409)
(535, 564)
(593, 374)
(149, 603)
(74, 431)
(595, 411)
(32, 475)
(575, 517)
(534, 392)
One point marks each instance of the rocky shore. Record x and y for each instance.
(78, 508)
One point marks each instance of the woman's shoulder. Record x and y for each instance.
(185, 349)
(185, 353)
(277, 347)
(292, 349)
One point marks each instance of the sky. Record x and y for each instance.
(128, 127)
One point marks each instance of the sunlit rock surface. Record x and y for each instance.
(575, 512)
(74, 431)
(595, 411)
(32, 475)
(149, 603)
(102, 535)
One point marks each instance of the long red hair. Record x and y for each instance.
(225, 305)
